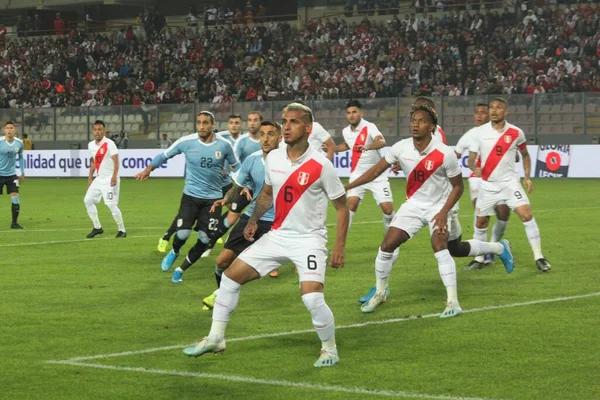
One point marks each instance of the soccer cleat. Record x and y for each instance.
(177, 277)
(543, 264)
(452, 310)
(220, 241)
(162, 245)
(206, 253)
(204, 308)
(367, 297)
(377, 299)
(327, 359)
(121, 234)
(489, 259)
(474, 265)
(274, 274)
(507, 257)
(205, 346)
(95, 232)
(209, 301)
(168, 261)
(14, 225)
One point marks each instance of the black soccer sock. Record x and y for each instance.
(194, 254)
(218, 276)
(457, 248)
(177, 244)
(172, 229)
(16, 208)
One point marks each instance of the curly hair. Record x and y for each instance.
(429, 110)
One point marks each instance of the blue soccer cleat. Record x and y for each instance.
(507, 257)
(452, 310)
(367, 296)
(177, 276)
(168, 261)
(205, 346)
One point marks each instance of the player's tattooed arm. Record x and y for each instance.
(526, 168)
(263, 203)
(473, 164)
(370, 175)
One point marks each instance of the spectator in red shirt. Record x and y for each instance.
(59, 25)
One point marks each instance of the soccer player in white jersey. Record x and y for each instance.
(480, 117)
(105, 162)
(497, 143)
(434, 185)
(365, 141)
(298, 181)
(319, 139)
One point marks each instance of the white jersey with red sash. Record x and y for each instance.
(426, 172)
(464, 144)
(102, 154)
(364, 134)
(498, 152)
(301, 191)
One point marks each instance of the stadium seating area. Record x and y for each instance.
(141, 86)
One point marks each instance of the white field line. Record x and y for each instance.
(74, 241)
(270, 382)
(356, 325)
(462, 216)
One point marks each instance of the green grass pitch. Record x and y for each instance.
(66, 298)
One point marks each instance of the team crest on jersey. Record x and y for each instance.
(429, 165)
(218, 155)
(303, 178)
(508, 139)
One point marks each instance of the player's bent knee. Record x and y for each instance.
(482, 222)
(307, 287)
(183, 234)
(387, 208)
(225, 259)
(524, 212)
(241, 272)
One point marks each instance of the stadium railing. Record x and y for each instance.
(576, 115)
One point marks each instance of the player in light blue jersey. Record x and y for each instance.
(11, 148)
(232, 134)
(250, 177)
(205, 156)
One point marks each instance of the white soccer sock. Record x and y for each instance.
(387, 220)
(225, 304)
(481, 248)
(481, 235)
(351, 218)
(118, 217)
(93, 213)
(535, 240)
(383, 268)
(322, 319)
(447, 268)
(498, 230)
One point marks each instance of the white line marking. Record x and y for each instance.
(247, 379)
(465, 215)
(357, 325)
(74, 241)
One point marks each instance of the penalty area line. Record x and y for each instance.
(269, 382)
(350, 326)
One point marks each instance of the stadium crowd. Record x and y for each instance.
(540, 50)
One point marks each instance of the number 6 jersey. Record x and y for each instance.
(427, 173)
(301, 191)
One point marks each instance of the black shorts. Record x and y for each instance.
(237, 242)
(11, 183)
(193, 210)
(227, 189)
(239, 202)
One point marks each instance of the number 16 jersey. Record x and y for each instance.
(427, 173)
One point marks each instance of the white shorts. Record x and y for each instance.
(411, 218)
(474, 184)
(490, 195)
(272, 250)
(382, 192)
(101, 189)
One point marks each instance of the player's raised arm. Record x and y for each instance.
(370, 175)
(160, 159)
(342, 147)
(378, 143)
